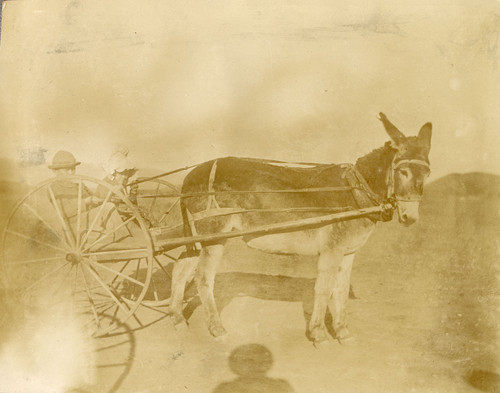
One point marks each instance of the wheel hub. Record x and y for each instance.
(73, 258)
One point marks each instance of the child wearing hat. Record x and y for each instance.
(119, 171)
(66, 194)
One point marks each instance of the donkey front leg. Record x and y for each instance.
(339, 297)
(210, 257)
(182, 272)
(328, 263)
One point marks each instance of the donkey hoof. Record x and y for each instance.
(322, 345)
(221, 339)
(318, 334)
(345, 337)
(178, 321)
(348, 341)
(181, 326)
(217, 330)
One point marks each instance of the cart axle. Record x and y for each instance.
(73, 258)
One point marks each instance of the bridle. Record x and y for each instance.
(391, 195)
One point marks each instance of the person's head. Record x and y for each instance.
(119, 169)
(63, 163)
(123, 176)
(121, 148)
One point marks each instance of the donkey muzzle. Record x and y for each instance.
(408, 212)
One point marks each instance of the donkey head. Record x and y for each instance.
(409, 169)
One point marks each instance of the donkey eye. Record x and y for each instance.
(404, 172)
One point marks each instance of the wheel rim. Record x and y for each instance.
(56, 248)
(158, 201)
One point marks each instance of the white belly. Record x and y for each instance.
(300, 243)
(348, 237)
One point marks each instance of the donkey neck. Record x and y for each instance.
(373, 167)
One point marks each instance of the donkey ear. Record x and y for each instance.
(425, 134)
(397, 136)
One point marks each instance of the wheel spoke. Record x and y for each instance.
(165, 215)
(52, 232)
(113, 253)
(137, 268)
(59, 284)
(75, 281)
(153, 202)
(79, 214)
(115, 313)
(101, 307)
(104, 295)
(91, 300)
(46, 276)
(36, 241)
(172, 206)
(94, 288)
(67, 230)
(101, 311)
(117, 273)
(109, 233)
(162, 268)
(121, 270)
(98, 215)
(105, 306)
(155, 291)
(170, 257)
(73, 290)
(28, 261)
(33, 211)
(138, 320)
(152, 307)
(106, 288)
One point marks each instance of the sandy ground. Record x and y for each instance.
(424, 320)
(424, 317)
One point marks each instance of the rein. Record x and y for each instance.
(361, 185)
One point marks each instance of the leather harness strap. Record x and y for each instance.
(409, 161)
(212, 202)
(391, 194)
(362, 193)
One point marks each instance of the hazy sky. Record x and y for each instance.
(184, 82)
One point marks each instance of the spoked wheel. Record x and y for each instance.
(161, 279)
(159, 203)
(63, 246)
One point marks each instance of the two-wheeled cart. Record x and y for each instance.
(106, 256)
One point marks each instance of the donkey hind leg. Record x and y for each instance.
(183, 271)
(210, 257)
(328, 263)
(337, 301)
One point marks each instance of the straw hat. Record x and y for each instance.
(63, 159)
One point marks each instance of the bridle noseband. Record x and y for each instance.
(390, 179)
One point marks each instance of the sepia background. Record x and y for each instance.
(182, 83)
(291, 80)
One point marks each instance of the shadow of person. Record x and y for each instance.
(251, 362)
(485, 381)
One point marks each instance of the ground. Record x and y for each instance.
(424, 317)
